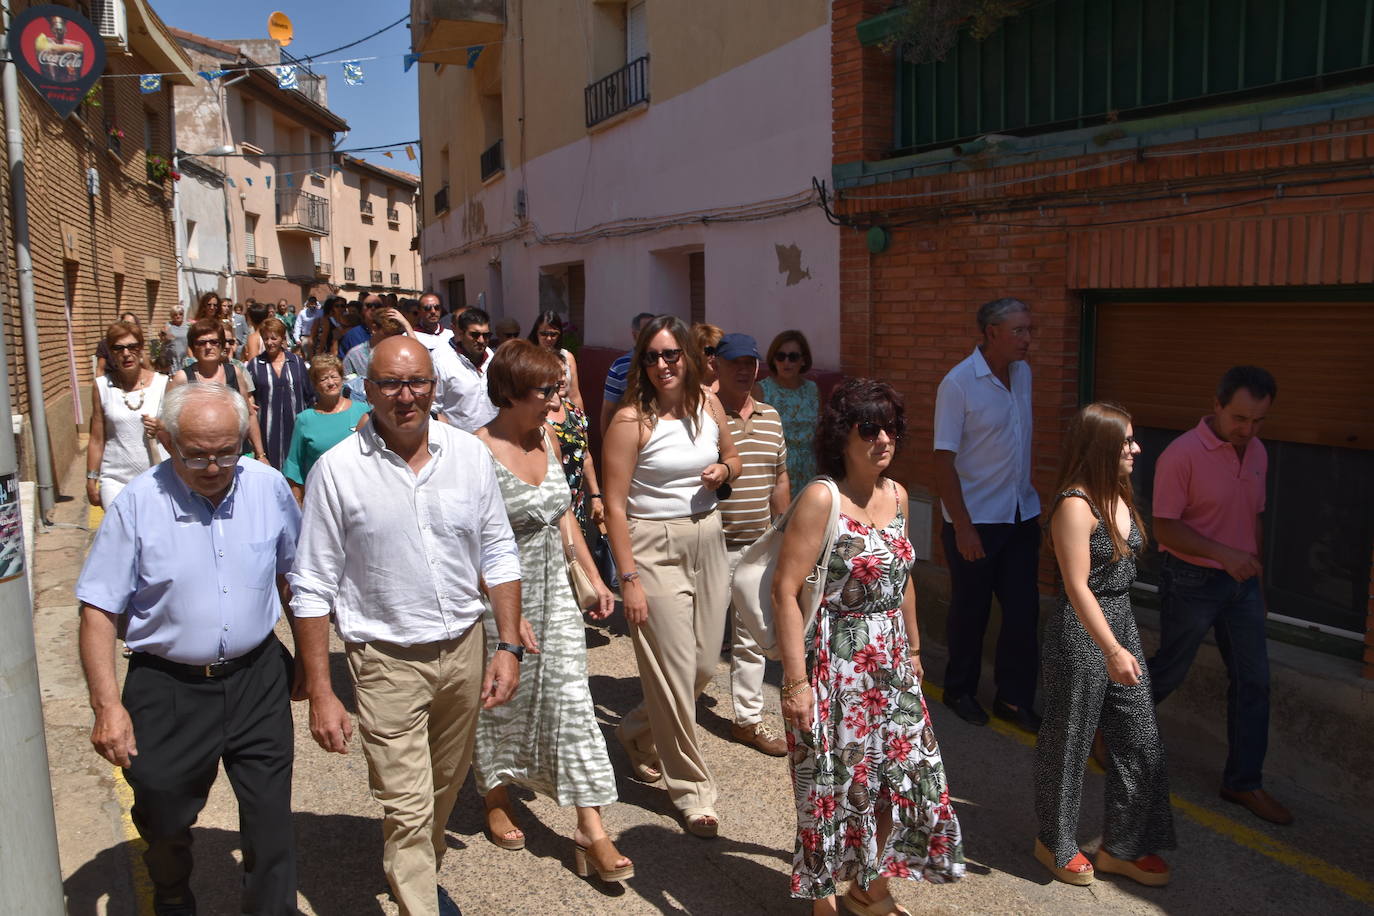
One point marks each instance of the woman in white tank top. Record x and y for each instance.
(125, 402)
(667, 451)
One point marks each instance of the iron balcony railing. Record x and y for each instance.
(350, 275)
(441, 200)
(257, 262)
(622, 90)
(300, 210)
(395, 279)
(493, 160)
(375, 277)
(365, 206)
(393, 215)
(322, 269)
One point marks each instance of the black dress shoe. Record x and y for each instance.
(1023, 717)
(967, 708)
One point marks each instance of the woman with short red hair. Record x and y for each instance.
(125, 401)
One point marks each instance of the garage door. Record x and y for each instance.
(1162, 360)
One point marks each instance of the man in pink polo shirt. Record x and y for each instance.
(1208, 496)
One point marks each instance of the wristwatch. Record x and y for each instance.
(517, 651)
(92, 475)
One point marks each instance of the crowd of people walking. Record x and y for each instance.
(427, 486)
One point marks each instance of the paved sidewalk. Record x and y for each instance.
(1228, 861)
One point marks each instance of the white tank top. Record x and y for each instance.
(667, 477)
(126, 453)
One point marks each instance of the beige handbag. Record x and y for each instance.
(584, 592)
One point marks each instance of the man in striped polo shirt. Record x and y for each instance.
(759, 493)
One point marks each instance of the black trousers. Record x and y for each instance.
(1009, 569)
(184, 726)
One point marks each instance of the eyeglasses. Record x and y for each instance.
(708, 351)
(200, 463)
(548, 391)
(480, 335)
(791, 356)
(1128, 443)
(207, 342)
(392, 386)
(432, 308)
(868, 431)
(129, 348)
(651, 357)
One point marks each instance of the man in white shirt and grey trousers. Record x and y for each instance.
(402, 522)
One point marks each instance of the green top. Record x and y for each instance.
(315, 434)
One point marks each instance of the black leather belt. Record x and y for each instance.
(218, 669)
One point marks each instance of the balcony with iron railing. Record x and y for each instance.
(396, 280)
(443, 30)
(618, 92)
(298, 211)
(257, 263)
(350, 275)
(493, 160)
(374, 277)
(365, 207)
(322, 269)
(441, 200)
(393, 215)
(308, 83)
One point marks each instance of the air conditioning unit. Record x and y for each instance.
(113, 22)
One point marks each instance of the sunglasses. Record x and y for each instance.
(550, 335)
(431, 308)
(201, 463)
(651, 357)
(708, 351)
(791, 356)
(480, 335)
(208, 342)
(548, 391)
(126, 348)
(392, 386)
(868, 431)
(1128, 442)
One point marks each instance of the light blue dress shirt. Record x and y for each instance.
(196, 582)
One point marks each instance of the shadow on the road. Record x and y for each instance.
(347, 879)
(676, 873)
(342, 680)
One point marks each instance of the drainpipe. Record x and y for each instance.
(38, 414)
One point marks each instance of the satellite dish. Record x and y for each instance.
(279, 27)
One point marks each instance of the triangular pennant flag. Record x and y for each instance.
(337, 167)
(388, 154)
(353, 73)
(211, 75)
(231, 182)
(268, 180)
(410, 153)
(149, 82)
(473, 53)
(286, 76)
(409, 61)
(290, 182)
(248, 181)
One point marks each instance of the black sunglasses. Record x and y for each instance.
(792, 356)
(548, 391)
(479, 335)
(651, 357)
(708, 351)
(868, 431)
(120, 348)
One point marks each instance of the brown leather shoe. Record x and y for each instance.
(760, 738)
(1261, 805)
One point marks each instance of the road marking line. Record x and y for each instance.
(1238, 833)
(138, 871)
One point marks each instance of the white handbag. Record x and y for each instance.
(752, 583)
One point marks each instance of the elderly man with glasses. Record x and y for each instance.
(461, 371)
(409, 616)
(189, 563)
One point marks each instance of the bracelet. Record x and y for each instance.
(915, 651)
(593, 495)
(791, 689)
(629, 576)
(1111, 654)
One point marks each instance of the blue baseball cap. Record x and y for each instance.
(733, 346)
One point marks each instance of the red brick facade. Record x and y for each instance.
(1170, 217)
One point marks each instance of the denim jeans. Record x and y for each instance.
(1193, 600)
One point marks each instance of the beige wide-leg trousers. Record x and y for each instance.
(682, 566)
(417, 714)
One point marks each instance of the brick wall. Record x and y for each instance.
(114, 243)
(1182, 216)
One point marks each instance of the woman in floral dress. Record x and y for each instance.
(569, 424)
(869, 784)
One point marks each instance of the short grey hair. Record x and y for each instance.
(996, 312)
(199, 394)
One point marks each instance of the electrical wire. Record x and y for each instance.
(385, 28)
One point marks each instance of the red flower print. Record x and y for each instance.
(901, 549)
(873, 701)
(862, 728)
(823, 708)
(796, 884)
(939, 845)
(898, 748)
(866, 568)
(896, 868)
(811, 839)
(853, 836)
(855, 527)
(861, 772)
(869, 659)
(823, 807)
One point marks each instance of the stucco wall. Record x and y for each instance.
(207, 261)
(354, 231)
(756, 132)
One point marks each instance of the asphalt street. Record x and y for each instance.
(1227, 861)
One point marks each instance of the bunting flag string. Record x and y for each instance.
(353, 73)
(150, 82)
(286, 76)
(211, 75)
(410, 152)
(409, 62)
(474, 52)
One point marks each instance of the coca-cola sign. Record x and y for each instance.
(59, 52)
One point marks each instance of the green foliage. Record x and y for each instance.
(927, 29)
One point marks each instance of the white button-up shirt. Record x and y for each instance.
(396, 555)
(433, 341)
(461, 390)
(989, 430)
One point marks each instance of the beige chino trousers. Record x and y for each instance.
(417, 714)
(682, 566)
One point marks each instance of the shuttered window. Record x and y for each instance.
(315, 249)
(250, 241)
(636, 31)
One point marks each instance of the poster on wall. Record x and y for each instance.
(11, 529)
(59, 52)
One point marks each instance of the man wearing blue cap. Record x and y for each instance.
(760, 493)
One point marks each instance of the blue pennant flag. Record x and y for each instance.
(149, 82)
(474, 52)
(211, 75)
(286, 76)
(268, 180)
(248, 181)
(353, 73)
(290, 182)
(409, 61)
(231, 182)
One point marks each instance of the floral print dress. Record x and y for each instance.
(572, 439)
(871, 744)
